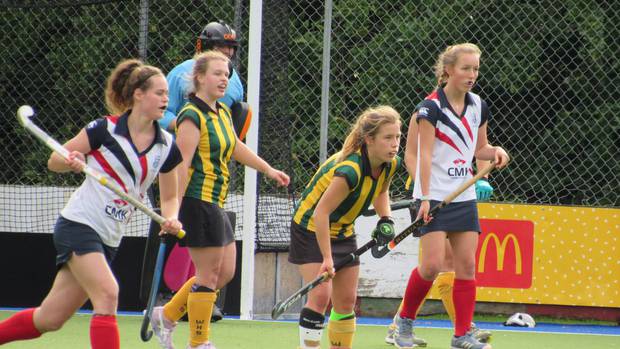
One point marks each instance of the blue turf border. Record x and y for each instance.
(494, 326)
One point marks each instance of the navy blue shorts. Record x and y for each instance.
(305, 249)
(455, 217)
(206, 224)
(72, 237)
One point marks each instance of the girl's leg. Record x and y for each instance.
(421, 279)
(341, 327)
(312, 318)
(93, 273)
(209, 262)
(464, 246)
(63, 300)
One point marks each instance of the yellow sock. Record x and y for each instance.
(444, 283)
(199, 309)
(177, 306)
(340, 333)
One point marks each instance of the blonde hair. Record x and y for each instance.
(449, 57)
(127, 76)
(368, 125)
(201, 65)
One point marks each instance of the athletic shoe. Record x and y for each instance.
(403, 334)
(389, 338)
(468, 341)
(162, 328)
(207, 345)
(483, 336)
(216, 315)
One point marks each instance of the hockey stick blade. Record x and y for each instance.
(281, 307)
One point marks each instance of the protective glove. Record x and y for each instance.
(384, 232)
(484, 190)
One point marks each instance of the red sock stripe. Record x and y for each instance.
(18, 327)
(464, 297)
(104, 332)
(416, 291)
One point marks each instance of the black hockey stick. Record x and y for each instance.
(145, 333)
(413, 228)
(397, 205)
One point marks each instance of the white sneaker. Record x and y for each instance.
(389, 337)
(162, 328)
(483, 336)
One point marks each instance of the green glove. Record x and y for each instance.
(484, 190)
(384, 232)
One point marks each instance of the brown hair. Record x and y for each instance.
(201, 65)
(129, 75)
(368, 125)
(449, 57)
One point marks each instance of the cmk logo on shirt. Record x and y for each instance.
(119, 210)
(459, 170)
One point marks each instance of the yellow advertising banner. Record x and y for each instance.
(548, 255)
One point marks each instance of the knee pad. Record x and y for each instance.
(311, 326)
(341, 331)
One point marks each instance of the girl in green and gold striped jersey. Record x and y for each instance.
(207, 140)
(322, 227)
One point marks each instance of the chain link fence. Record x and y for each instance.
(549, 72)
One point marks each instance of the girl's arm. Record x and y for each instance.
(382, 201)
(77, 147)
(411, 148)
(168, 194)
(427, 140)
(485, 151)
(247, 157)
(333, 196)
(188, 136)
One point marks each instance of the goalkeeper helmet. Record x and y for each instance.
(217, 34)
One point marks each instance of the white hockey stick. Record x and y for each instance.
(25, 112)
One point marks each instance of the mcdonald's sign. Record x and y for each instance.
(505, 253)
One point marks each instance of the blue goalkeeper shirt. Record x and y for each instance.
(179, 80)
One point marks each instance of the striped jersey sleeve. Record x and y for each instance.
(174, 158)
(96, 131)
(188, 114)
(347, 171)
(428, 110)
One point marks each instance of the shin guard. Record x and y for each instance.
(341, 332)
(311, 326)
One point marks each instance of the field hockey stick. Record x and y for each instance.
(145, 333)
(397, 205)
(281, 307)
(25, 112)
(414, 228)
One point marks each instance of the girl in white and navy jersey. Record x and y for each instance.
(130, 149)
(452, 124)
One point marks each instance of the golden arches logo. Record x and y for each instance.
(501, 250)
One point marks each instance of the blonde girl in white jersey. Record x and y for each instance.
(452, 130)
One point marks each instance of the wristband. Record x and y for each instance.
(425, 198)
